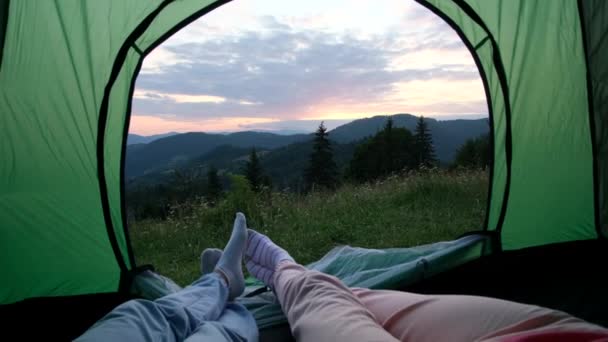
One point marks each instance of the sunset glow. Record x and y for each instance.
(157, 125)
(262, 64)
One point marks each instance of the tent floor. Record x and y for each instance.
(570, 277)
(55, 318)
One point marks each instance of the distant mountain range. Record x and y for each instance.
(140, 139)
(133, 139)
(283, 157)
(177, 150)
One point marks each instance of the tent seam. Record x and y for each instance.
(502, 78)
(101, 129)
(125, 133)
(184, 23)
(142, 55)
(592, 127)
(481, 43)
(137, 49)
(4, 29)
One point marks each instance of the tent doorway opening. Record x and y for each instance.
(228, 113)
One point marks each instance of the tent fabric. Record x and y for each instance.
(594, 17)
(54, 237)
(67, 75)
(566, 276)
(540, 116)
(66, 80)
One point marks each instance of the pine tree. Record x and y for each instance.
(423, 140)
(253, 172)
(474, 153)
(322, 170)
(389, 151)
(387, 166)
(466, 155)
(214, 186)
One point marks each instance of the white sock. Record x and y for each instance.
(209, 259)
(230, 262)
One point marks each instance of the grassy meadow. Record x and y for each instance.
(400, 211)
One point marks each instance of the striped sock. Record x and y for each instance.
(263, 256)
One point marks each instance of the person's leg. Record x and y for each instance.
(177, 316)
(414, 317)
(319, 307)
(170, 318)
(235, 324)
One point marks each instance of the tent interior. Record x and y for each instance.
(67, 77)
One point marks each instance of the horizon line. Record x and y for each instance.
(296, 130)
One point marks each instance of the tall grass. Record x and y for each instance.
(400, 211)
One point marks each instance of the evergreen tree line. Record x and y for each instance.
(474, 153)
(185, 186)
(389, 151)
(393, 150)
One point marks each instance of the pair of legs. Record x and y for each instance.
(320, 307)
(203, 311)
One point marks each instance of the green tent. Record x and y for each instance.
(67, 74)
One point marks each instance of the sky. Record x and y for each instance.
(288, 65)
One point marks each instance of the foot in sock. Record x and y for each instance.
(209, 259)
(263, 256)
(230, 261)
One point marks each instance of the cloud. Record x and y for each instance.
(176, 98)
(271, 23)
(288, 68)
(293, 125)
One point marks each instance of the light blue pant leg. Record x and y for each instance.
(235, 324)
(174, 317)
